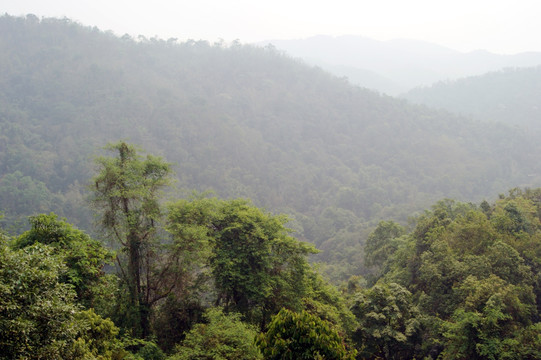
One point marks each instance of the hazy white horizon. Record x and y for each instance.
(504, 27)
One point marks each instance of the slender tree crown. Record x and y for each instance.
(126, 194)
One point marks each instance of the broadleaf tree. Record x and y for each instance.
(292, 335)
(84, 257)
(257, 267)
(37, 310)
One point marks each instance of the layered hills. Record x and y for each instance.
(396, 66)
(510, 96)
(241, 120)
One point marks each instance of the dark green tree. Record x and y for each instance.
(388, 322)
(292, 335)
(473, 274)
(257, 267)
(37, 310)
(381, 244)
(221, 336)
(486, 323)
(85, 257)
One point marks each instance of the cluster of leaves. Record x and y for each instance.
(221, 336)
(40, 315)
(83, 256)
(36, 309)
(302, 336)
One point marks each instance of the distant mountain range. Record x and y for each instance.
(396, 66)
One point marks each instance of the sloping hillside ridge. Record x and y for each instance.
(241, 120)
(401, 64)
(510, 96)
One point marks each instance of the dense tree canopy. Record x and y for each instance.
(473, 273)
(223, 336)
(37, 311)
(256, 265)
(85, 257)
(462, 282)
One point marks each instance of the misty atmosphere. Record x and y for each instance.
(303, 197)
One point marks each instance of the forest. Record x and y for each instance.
(186, 200)
(204, 278)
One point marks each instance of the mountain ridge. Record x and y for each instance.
(510, 96)
(240, 120)
(410, 63)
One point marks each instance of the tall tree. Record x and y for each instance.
(126, 193)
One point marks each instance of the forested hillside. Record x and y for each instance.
(206, 278)
(510, 96)
(463, 283)
(240, 120)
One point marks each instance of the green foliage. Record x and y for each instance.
(126, 195)
(257, 267)
(151, 351)
(485, 323)
(221, 337)
(97, 338)
(83, 256)
(388, 322)
(326, 302)
(473, 274)
(381, 245)
(188, 223)
(126, 192)
(527, 343)
(292, 335)
(37, 311)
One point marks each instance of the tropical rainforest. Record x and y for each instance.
(187, 200)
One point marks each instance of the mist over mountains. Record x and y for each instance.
(510, 96)
(396, 66)
(241, 120)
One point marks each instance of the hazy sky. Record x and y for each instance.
(500, 26)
